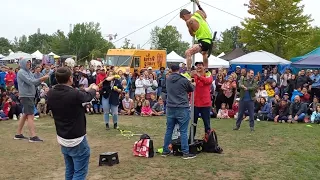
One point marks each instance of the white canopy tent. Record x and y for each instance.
(54, 55)
(214, 62)
(174, 57)
(1, 56)
(222, 54)
(10, 52)
(18, 55)
(259, 58)
(37, 54)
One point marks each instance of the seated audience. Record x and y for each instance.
(315, 117)
(281, 111)
(223, 112)
(297, 111)
(127, 105)
(158, 108)
(146, 109)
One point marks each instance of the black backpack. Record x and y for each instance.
(210, 143)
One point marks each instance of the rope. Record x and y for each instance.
(164, 27)
(128, 134)
(142, 27)
(296, 40)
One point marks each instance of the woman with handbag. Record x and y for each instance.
(111, 89)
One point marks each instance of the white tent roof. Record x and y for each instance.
(259, 58)
(18, 55)
(37, 54)
(174, 57)
(54, 55)
(214, 62)
(10, 52)
(1, 56)
(222, 54)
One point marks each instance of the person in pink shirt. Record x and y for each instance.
(146, 109)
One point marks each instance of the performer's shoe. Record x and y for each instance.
(252, 129)
(107, 126)
(236, 128)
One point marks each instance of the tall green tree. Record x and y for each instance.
(278, 26)
(39, 42)
(60, 43)
(229, 40)
(5, 45)
(84, 38)
(127, 44)
(168, 38)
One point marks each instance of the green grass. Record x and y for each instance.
(282, 151)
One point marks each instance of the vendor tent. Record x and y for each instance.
(312, 61)
(54, 55)
(237, 52)
(1, 56)
(312, 53)
(259, 58)
(214, 62)
(37, 55)
(18, 55)
(221, 54)
(174, 57)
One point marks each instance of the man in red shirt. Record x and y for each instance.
(202, 96)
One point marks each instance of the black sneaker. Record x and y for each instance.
(236, 128)
(252, 129)
(115, 126)
(188, 156)
(165, 154)
(20, 137)
(107, 126)
(35, 139)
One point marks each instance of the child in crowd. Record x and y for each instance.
(42, 104)
(146, 109)
(235, 107)
(313, 106)
(153, 100)
(158, 108)
(127, 105)
(138, 108)
(8, 109)
(223, 112)
(315, 117)
(261, 92)
(96, 102)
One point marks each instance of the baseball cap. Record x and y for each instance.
(149, 68)
(198, 63)
(286, 94)
(237, 99)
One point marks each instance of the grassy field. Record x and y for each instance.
(282, 151)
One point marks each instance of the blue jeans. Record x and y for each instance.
(76, 160)
(106, 109)
(244, 106)
(179, 116)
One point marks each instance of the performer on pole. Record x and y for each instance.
(198, 28)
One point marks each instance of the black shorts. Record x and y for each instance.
(204, 45)
(28, 104)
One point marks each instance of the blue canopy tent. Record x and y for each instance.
(312, 61)
(312, 53)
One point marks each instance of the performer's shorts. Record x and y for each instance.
(204, 45)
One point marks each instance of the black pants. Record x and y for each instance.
(14, 110)
(315, 92)
(243, 106)
(204, 113)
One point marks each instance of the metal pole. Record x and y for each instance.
(192, 94)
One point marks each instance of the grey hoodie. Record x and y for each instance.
(178, 88)
(26, 81)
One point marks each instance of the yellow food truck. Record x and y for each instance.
(130, 59)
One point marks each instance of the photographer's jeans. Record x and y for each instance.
(179, 116)
(76, 160)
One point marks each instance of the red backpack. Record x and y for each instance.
(143, 147)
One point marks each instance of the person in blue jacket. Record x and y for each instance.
(2, 76)
(265, 112)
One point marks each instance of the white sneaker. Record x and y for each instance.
(15, 117)
(258, 119)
